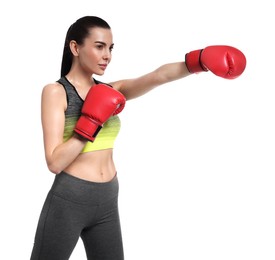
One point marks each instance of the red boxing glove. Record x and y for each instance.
(101, 103)
(224, 61)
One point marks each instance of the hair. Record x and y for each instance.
(78, 31)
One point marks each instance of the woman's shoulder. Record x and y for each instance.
(53, 89)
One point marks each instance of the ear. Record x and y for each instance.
(74, 47)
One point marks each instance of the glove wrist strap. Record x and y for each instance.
(87, 127)
(193, 61)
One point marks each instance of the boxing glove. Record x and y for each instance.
(222, 60)
(100, 104)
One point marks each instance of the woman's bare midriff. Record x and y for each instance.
(96, 166)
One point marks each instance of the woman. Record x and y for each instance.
(80, 123)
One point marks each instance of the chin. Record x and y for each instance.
(100, 73)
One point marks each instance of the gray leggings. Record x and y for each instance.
(77, 208)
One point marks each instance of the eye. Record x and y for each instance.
(99, 46)
(111, 48)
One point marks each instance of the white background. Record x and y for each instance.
(195, 157)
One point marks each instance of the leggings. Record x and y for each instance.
(77, 208)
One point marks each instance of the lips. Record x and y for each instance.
(103, 66)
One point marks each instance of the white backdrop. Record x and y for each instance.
(195, 157)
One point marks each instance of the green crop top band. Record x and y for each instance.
(108, 133)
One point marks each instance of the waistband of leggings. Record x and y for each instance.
(82, 191)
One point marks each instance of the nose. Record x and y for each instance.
(107, 55)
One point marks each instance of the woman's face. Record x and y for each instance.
(96, 52)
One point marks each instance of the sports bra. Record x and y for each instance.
(105, 138)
